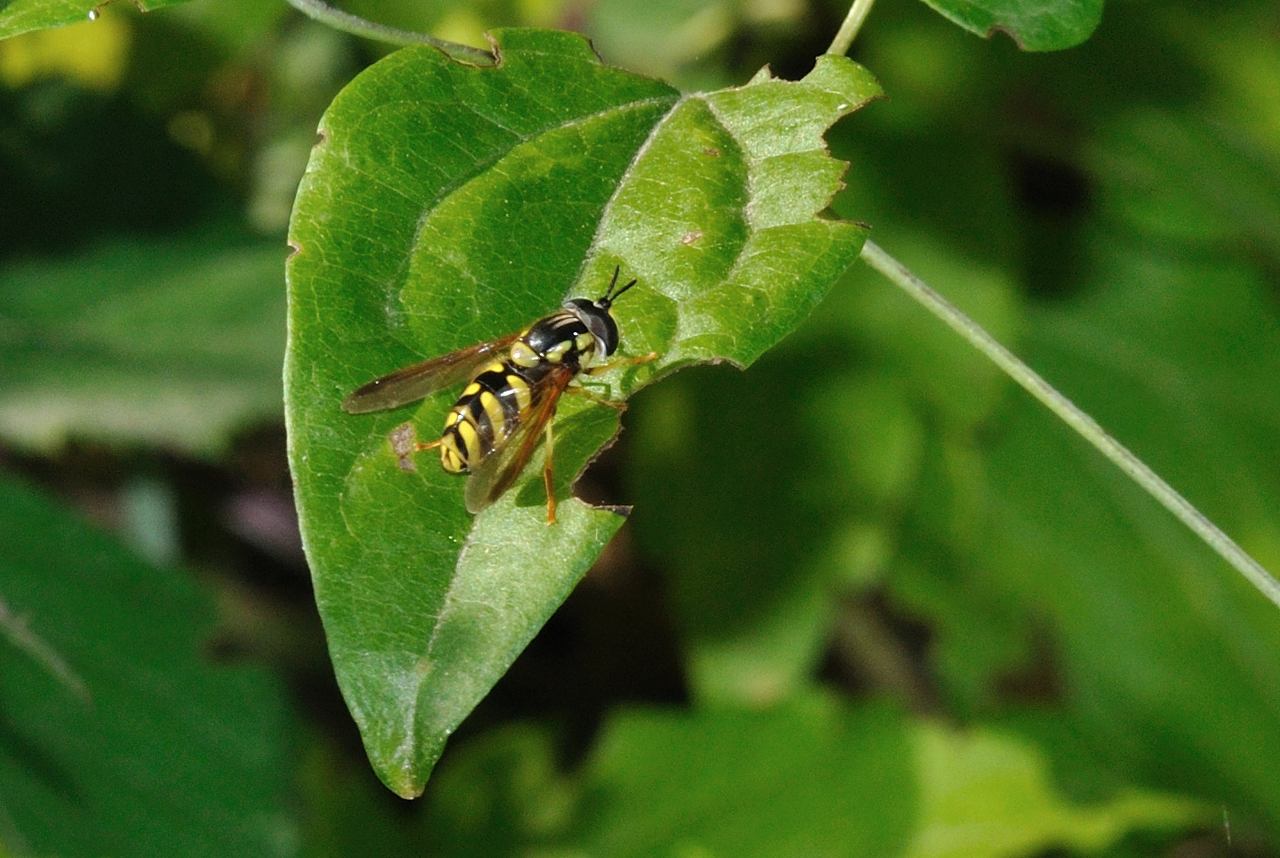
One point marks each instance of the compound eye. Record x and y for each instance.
(605, 331)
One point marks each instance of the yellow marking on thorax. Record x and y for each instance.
(522, 355)
(556, 353)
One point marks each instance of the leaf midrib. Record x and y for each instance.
(408, 749)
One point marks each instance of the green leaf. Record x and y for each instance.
(1036, 25)
(121, 737)
(20, 16)
(1230, 193)
(173, 341)
(812, 777)
(1179, 357)
(984, 794)
(662, 36)
(500, 794)
(449, 204)
(837, 443)
(756, 494)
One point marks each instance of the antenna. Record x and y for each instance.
(610, 296)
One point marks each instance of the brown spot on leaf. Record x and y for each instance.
(404, 444)
(691, 236)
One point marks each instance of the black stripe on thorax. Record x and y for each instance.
(556, 328)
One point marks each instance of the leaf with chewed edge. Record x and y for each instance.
(448, 204)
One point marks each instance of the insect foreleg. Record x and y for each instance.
(581, 390)
(620, 362)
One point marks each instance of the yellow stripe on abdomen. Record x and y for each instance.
(451, 459)
(495, 415)
(520, 390)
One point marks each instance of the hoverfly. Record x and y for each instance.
(515, 382)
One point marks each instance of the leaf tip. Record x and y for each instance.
(405, 784)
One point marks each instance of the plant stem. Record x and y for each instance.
(357, 26)
(1070, 414)
(849, 29)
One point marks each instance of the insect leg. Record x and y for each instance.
(617, 362)
(546, 479)
(579, 390)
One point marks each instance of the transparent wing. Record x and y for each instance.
(500, 468)
(413, 382)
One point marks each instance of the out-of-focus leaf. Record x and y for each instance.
(987, 795)
(757, 491)
(500, 794)
(449, 204)
(766, 494)
(20, 16)
(1162, 661)
(173, 341)
(1036, 25)
(93, 54)
(1184, 182)
(809, 778)
(659, 37)
(1178, 355)
(65, 189)
(139, 746)
(237, 27)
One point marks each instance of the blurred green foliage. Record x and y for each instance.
(871, 600)
(118, 736)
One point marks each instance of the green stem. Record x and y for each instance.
(849, 29)
(357, 26)
(1070, 414)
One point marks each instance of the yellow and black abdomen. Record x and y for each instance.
(485, 415)
(501, 396)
